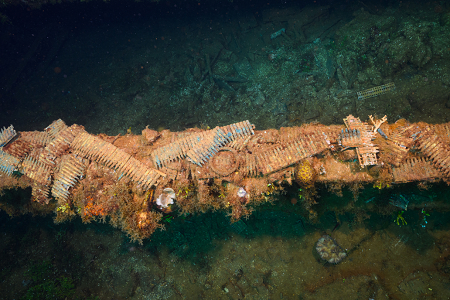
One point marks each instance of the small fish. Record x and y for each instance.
(400, 202)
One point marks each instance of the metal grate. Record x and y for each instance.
(8, 163)
(200, 147)
(40, 193)
(54, 128)
(106, 153)
(281, 157)
(435, 150)
(239, 143)
(240, 129)
(350, 138)
(60, 144)
(7, 134)
(396, 147)
(443, 131)
(250, 167)
(415, 169)
(375, 91)
(72, 168)
(39, 138)
(207, 147)
(392, 152)
(176, 150)
(366, 151)
(37, 171)
(18, 148)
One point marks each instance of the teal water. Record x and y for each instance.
(270, 255)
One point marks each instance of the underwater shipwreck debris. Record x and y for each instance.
(278, 33)
(8, 163)
(7, 134)
(366, 150)
(200, 147)
(225, 162)
(71, 170)
(231, 168)
(437, 150)
(375, 91)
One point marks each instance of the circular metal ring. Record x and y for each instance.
(226, 163)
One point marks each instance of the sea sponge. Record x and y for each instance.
(329, 250)
(164, 200)
(304, 174)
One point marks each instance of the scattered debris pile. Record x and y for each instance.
(134, 179)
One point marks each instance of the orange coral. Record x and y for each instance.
(91, 209)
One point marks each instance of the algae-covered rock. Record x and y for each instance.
(243, 68)
(412, 45)
(222, 68)
(364, 31)
(370, 76)
(440, 40)
(347, 69)
(288, 68)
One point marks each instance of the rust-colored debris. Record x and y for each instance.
(366, 150)
(396, 147)
(225, 162)
(19, 148)
(98, 150)
(416, 169)
(7, 134)
(8, 163)
(37, 171)
(71, 169)
(282, 157)
(375, 91)
(437, 151)
(200, 147)
(231, 167)
(37, 138)
(54, 128)
(40, 193)
(60, 144)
